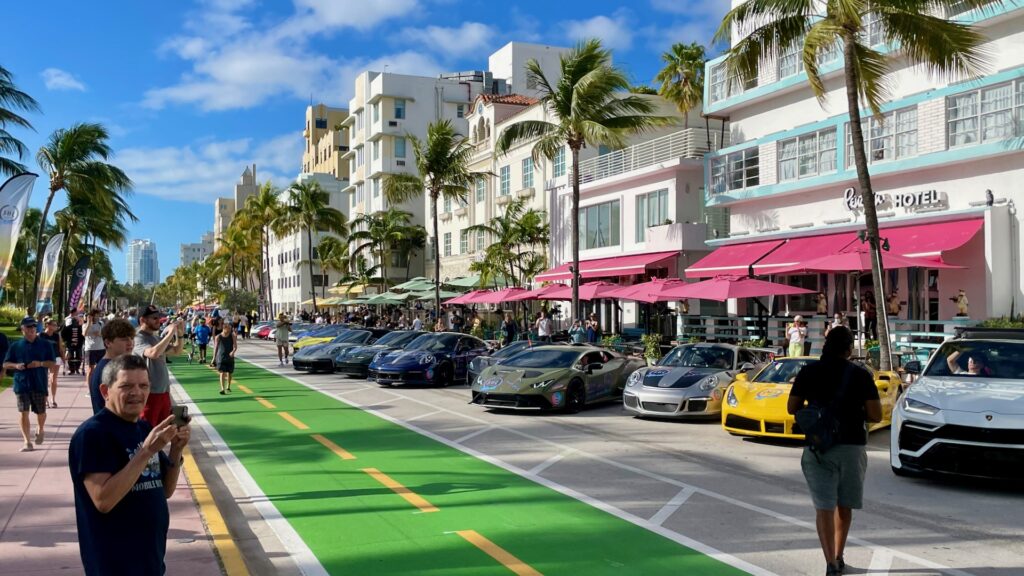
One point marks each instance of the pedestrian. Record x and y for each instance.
(796, 333)
(73, 342)
(577, 333)
(51, 334)
(30, 360)
(154, 348)
(543, 327)
(870, 309)
(838, 319)
(439, 325)
(224, 347)
(846, 393)
(93, 348)
(202, 333)
(118, 338)
(417, 323)
(133, 317)
(457, 322)
(243, 325)
(122, 477)
(593, 329)
(5, 345)
(281, 332)
(509, 329)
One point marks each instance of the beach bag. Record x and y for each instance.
(820, 424)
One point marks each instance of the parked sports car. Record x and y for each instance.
(964, 414)
(497, 357)
(321, 357)
(439, 358)
(320, 335)
(555, 377)
(689, 381)
(356, 360)
(301, 330)
(264, 332)
(755, 403)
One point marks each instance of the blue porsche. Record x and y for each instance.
(440, 358)
(356, 361)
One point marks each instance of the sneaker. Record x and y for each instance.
(221, 392)
(280, 362)
(53, 404)
(832, 569)
(841, 564)
(27, 447)
(39, 437)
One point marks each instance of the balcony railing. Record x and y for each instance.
(687, 143)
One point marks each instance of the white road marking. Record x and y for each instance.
(424, 415)
(472, 435)
(881, 562)
(548, 463)
(672, 505)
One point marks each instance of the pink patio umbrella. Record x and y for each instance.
(649, 292)
(535, 294)
(860, 259)
(723, 288)
(497, 296)
(588, 291)
(467, 298)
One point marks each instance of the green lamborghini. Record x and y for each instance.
(555, 378)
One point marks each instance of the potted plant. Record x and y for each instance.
(652, 348)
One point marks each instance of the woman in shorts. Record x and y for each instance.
(224, 346)
(94, 348)
(52, 334)
(281, 332)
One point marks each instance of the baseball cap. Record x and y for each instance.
(152, 310)
(28, 321)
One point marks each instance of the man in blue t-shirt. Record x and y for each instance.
(30, 360)
(118, 338)
(202, 333)
(122, 478)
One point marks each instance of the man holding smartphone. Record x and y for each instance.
(122, 477)
(154, 349)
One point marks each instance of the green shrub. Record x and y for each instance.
(1004, 322)
(652, 346)
(11, 315)
(754, 343)
(610, 340)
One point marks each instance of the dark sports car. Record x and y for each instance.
(321, 357)
(439, 358)
(356, 360)
(497, 357)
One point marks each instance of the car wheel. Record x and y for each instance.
(575, 398)
(445, 375)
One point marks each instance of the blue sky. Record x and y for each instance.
(193, 91)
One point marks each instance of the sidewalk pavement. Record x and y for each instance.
(38, 535)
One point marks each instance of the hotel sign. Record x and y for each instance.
(907, 200)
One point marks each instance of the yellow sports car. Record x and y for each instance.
(320, 335)
(755, 403)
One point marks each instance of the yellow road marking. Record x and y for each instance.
(410, 496)
(507, 560)
(265, 402)
(243, 388)
(230, 556)
(341, 452)
(293, 420)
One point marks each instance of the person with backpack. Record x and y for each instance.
(841, 398)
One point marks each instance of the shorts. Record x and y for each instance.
(836, 477)
(95, 356)
(281, 342)
(158, 408)
(34, 401)
(226, 365)
(202, 349)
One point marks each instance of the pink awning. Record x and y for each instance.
(534, 294)
(732, 259)
(587, 292)
(497, 296)
(608, 267)
(930, 240)
(792, 255)
(722, 288)
(467, 298)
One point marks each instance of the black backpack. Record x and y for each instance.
(820, 424)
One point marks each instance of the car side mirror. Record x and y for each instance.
(912, 367)
(746, 366)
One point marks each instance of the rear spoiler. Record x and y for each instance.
(972, 332)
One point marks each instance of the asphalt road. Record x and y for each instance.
(693, 483)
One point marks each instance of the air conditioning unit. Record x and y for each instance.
(392, 123)
(400, 162)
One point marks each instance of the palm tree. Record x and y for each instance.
(12, 99)
(682, 78)
(360, 272)
(308, 210)
(412, 245)
(944, 47)
(75, 161)
(443, 165)
(380, 234)
(590, 105)
(262, 211)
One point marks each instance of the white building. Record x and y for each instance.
(224, 208)
(141, 263)
(946, 164)
(197, 251)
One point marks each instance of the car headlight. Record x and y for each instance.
(425, 359)
(730, 397)
(918, 407)
(543, 384)
(379, 355)
(634, 379)
(709, 383)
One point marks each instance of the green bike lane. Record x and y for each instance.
(368, 496)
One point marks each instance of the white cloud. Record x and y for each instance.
(57, 79)
(614, 32)
(470, 39)
(699, 22)
(209, 169)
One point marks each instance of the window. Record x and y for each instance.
(376, 111)
(481, 189)
(985, 115)
(376, 149)
(447, 204)
(724, 86)
(359, 156)
(480, 241)
(375, 183)
(506, 180)
(353, 203)
(599, 225)
(447, 243)
(958, 7)
(359, 120)
(895, 136)
(559, 163)
(527, 172)
(735, 171)
(400, 147)
(807, 155)
(399, 109)
(321, 123)
(464, 242)
(830, 54)
(789, 59)
(873, 27)
(320, 280)
(651, 210)
(460, 111)
(399, 259)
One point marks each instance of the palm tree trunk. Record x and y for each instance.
(59, 306)
(575, 219)
(31, 308)
(437, 255)
(309, 247)
(868, 197)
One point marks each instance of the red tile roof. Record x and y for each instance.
(515, 99)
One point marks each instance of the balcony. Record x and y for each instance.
(503, 199)
(526, 193)
(461, 211)
(687, 143)
(445, 216)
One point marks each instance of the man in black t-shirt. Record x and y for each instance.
(122, 478)
(835, 477)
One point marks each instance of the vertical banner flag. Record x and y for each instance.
(14, 195)
(51, 256)
(97, 295)
(104, 298)
(83, 302)
(79, 280)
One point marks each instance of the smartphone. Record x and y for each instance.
(181, 417)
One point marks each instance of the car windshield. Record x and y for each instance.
(352, 337)
(510, 349)
(700, 357)
(781, 371)
(541, 358)
(978, 359)
(399, 338)
(434, 343)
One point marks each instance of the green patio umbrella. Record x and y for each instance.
(429, 294)
(417, 284)
(354, 302)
